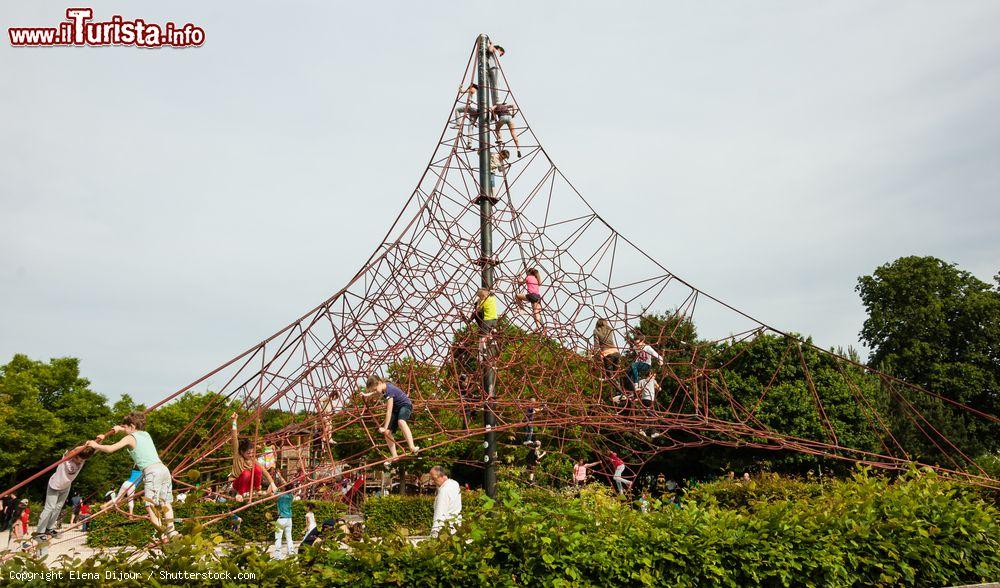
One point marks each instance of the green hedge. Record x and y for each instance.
(114, 529)
(411, 515)
(740, 494)
(918, 530)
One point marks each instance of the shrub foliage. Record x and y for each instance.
(114, 530)
(918, 530)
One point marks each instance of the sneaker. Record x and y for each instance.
(643, 433)
(655, 435)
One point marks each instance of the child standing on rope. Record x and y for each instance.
(531, 460)
(533, 294)
(505, 118)
(468, 398)
(58, 488)
(156, 477)
(643, 360)
(580, 472)
(493, 53)
(498, 166)
(648, 387)
(128, 488)
(485, 315)
(248, 473)
(469, 110)
(606, 349)
(529, 422)
(398, 410)
(619, 468)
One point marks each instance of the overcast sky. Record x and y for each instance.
(163, 210)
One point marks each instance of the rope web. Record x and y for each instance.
(405, 316)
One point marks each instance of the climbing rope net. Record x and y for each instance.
(405, 316)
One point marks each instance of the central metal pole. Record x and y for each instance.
(486, 259)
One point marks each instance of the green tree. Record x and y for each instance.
(936, 326)
(775, 381)
(188, 422)
(48, 409)
(27, 429)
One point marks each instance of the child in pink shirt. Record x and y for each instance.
(580, 472)
(532, 284)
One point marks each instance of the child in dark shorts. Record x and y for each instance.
(399, 410)
(532, 283)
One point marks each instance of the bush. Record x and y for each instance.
(114, 529)
(412, 515)
(740, 494)
(917, 530)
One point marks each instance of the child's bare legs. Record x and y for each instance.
(391, 442)
(164, 523)
(405, 428)
(168, 518)
(513, 135)
(536, 307)
(154, 517)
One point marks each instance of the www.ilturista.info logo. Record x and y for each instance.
(80, 30)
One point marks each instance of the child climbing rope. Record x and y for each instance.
(606, 349)
(493, 53)
(529, 420)
(619, 468)
(532, 458)
(532, 283)
(398, 410)
(248, 473)
(648, 387)
(128, 488)
(505, 118)
(485, 315)
(467, 395)
(58, 488)
(643, 360)
(468, 111)
(580, 472)
(158, 494)
(498, 166)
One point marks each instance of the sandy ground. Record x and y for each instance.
(73, 544)
(70, 543)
